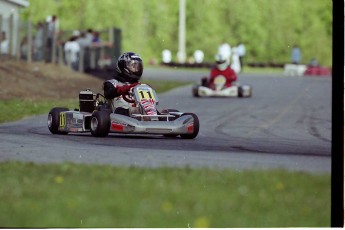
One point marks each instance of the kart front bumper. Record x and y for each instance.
(124, 124)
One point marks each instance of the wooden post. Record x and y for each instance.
(0, 31)
(68, 58)
(44, 43)
(60, 56)
(10, 36)
(111, 35)
(81, 60)
(29, 54)
(117, 43)
(54, 39)
(17, 45)
(92, 57)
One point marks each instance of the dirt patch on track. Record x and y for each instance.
(40, 81)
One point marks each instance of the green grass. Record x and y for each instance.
(162, 86)
(16, 109)
(248, 69)
(71, 195)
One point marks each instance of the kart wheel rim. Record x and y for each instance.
(50, 120)
(94, 123)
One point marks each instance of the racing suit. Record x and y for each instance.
(113, 90)
(228, 73)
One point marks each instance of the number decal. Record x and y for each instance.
(146, 94)
(62, 119)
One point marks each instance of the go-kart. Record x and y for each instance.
(99, 116)
(220, 90)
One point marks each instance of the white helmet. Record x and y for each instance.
(221, 61)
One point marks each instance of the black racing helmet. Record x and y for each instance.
(130, 67)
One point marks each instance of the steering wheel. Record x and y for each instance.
(128, 99)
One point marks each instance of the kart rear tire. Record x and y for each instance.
(54, 120)
(100, 123)
(240, 91)
(195, 90)
(196, 127)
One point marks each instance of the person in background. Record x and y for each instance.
(128, 71)
(198, 56)
(235, 62)
(221, 68)
(89, 35)
(313, 62)
(83, 40)
(38, 42)
(52, 34)
(241, 50)
(72, 50)
(4, 46)
(225, 50)
(296, 55)
(24, 48)
(96, 38)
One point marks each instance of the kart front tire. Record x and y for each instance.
(100, 123)
(54, 120)
(195, 128)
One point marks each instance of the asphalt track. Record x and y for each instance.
(286, 124)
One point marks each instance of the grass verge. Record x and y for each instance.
(71, 195)
(16, 109)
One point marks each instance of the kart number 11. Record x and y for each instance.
(146, 94)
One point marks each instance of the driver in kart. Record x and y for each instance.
(128, 71)
(222, 68)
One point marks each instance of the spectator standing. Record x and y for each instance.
(198, 56)
(225, 51)
(4, 46)
(83, 40)
(72, 50)
(52, 35)
(235, 63)
(89, 35)
(96, 39)
(38, 42)
(166, 56)
(296, 55)
(313, 62)
(24, 48)
(241, 50)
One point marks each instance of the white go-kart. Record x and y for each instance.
(221, 90)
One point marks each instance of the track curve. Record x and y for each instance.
(286, 124)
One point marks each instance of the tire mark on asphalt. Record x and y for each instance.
(279, 117)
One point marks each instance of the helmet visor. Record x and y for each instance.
(220, 62)
(134, 66)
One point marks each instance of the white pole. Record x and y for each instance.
(181, 55)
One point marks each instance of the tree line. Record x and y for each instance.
(268, 28)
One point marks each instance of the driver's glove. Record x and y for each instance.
(123, 90)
